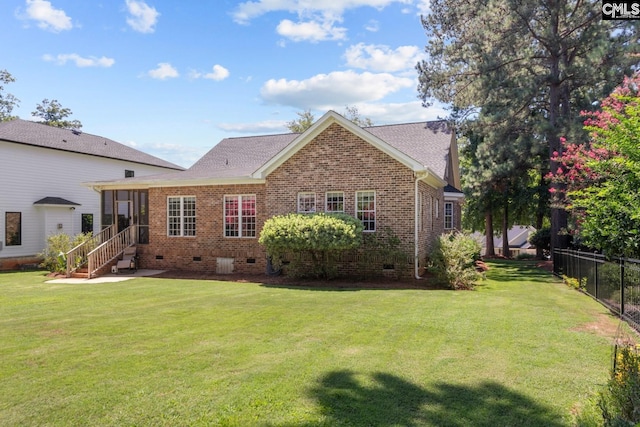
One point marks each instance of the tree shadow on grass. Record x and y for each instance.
(388, 400)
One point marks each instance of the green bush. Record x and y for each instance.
(541, 239)
(620, 402)
(575, 283)
(380, 249)
(318, 237)
(54, 255)
(453, 260)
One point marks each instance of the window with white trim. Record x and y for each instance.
(448, 215)
(431, 218)
(366, 209)
(181, 216)
(334, 202)
(306, 202)
(240, 216)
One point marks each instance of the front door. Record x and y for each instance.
(124, 214)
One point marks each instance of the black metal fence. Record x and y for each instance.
(615, 282)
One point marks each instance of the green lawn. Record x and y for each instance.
(517, 351)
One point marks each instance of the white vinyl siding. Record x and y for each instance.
(36, 173)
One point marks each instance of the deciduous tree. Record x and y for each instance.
(54, 114)
(7, 101)
(599, 180)
(304, 121)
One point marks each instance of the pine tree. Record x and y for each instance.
(538, 62)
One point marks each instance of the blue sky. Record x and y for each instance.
(173, 78)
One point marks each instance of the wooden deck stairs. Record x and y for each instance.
(90, 258)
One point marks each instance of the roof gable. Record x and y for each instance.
(423, 147)
(50, 137)
(317, 128)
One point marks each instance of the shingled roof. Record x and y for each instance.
(40, 135)
(232, 159)
(426, 142)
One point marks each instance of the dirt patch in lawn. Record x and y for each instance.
(545, 265)
(608, 326)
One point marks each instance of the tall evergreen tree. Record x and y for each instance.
(533, 61)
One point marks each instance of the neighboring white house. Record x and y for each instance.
(518, 236)
(42, 169)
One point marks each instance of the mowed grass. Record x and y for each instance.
(520, 350)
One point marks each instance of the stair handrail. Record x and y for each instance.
(111, 249)
(77, 256)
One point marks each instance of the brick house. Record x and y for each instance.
(403, 178)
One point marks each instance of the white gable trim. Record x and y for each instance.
(317, 128)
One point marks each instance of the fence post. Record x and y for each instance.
(595, 267)
(579, 267)
(621, 287)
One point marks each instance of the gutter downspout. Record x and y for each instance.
(416, 260)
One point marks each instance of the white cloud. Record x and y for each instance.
(312, 31)
(48, 17)
(257, 128)
(249, 10)
(143, 17)
(80, 61)
(424, 7)
(180, 154)
(383, 58)
(405, 112)
(336, 88)
(316, 19)
(163, 72)
(379, 113)
(219, 73)
(372, 26)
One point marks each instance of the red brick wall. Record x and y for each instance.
(432, 222)
(337, 160)
(209, 242)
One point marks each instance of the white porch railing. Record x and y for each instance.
(111, 249)
(77, 257)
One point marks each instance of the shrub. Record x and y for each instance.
(380, 249)
(453, 260)
(575, 283)
(620, 402)
(54, 255)
(541, 239)
(319, 236)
